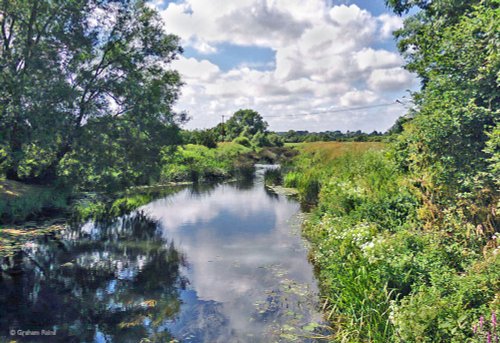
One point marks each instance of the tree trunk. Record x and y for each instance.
(50, 172)
(16, 151)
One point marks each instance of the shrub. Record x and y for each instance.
(242, 140)
(273, 176)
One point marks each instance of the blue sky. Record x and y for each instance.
(231, 56)
(289, 59)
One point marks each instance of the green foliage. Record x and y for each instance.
(454, 48)
(263, 139)
(446, 310)
(242, 140)
(450, 151)
(101, 208)
(109, 206)
(307, 184)
(275, 140)
(111, 66)
(360, 198)
(197, 162)
(385, 278)
(293, 136)
(260, 139)
(114, 154)
(246, 123)
(447, 144)
(207, 138)
(493, 150)
(291, 179)
(273, 177)
(20, 202)
(397, 128)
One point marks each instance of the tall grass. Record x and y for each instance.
(199, 163)
(273, 177)
(20, 202)
(386, 276)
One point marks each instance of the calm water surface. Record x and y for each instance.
(221, 263)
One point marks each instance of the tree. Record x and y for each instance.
(245, 122)
(453, 47)
(207, 137)
(397, 127)
(115, 153)
(65, 62)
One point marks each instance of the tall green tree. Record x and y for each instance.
(454, 47)
(245, 122)
(65, 62)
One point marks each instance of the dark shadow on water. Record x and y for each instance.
(118, 281)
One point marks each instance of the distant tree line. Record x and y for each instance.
(292, 136)
(248, 128)
(245, 127)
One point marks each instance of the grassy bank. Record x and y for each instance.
(21, 207)
(199, 163)
(385, 277)
(21, 202)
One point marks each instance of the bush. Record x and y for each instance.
(206, 138)
(242, 140)
(446, 310)
(197, 163)
(275, 140)
(273, 176)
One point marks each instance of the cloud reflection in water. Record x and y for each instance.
(248, 270)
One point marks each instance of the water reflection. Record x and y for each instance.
(220, 263)
(117, 282)
(249, 275)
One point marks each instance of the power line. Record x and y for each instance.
(345, 109)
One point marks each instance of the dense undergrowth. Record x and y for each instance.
(386, 275)
(20, 202)
(199, 163)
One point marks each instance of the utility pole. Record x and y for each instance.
(222, 128)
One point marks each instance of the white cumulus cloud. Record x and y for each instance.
(326, 58)
(389, 79)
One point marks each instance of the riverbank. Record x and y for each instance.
(198, 163)
(386, 276)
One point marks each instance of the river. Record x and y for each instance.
(210, 263)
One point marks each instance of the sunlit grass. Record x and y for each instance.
(329, 151)
(354, 187)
